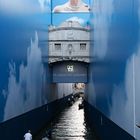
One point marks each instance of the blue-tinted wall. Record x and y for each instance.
(23, 34)
(114, 72)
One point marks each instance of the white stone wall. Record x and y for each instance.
(67, 36)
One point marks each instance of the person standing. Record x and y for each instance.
(28, 135)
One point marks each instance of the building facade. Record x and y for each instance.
(69, 41)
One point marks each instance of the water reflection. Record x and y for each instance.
(71, 125)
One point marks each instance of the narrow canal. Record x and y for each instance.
(70, 125)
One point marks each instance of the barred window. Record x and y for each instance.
(83, 46)
(57, 46)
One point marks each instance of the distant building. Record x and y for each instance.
(69, 41)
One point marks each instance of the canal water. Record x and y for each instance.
(71, 125)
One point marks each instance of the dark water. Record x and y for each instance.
(71, 125)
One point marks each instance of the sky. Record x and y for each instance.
(83, 18)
